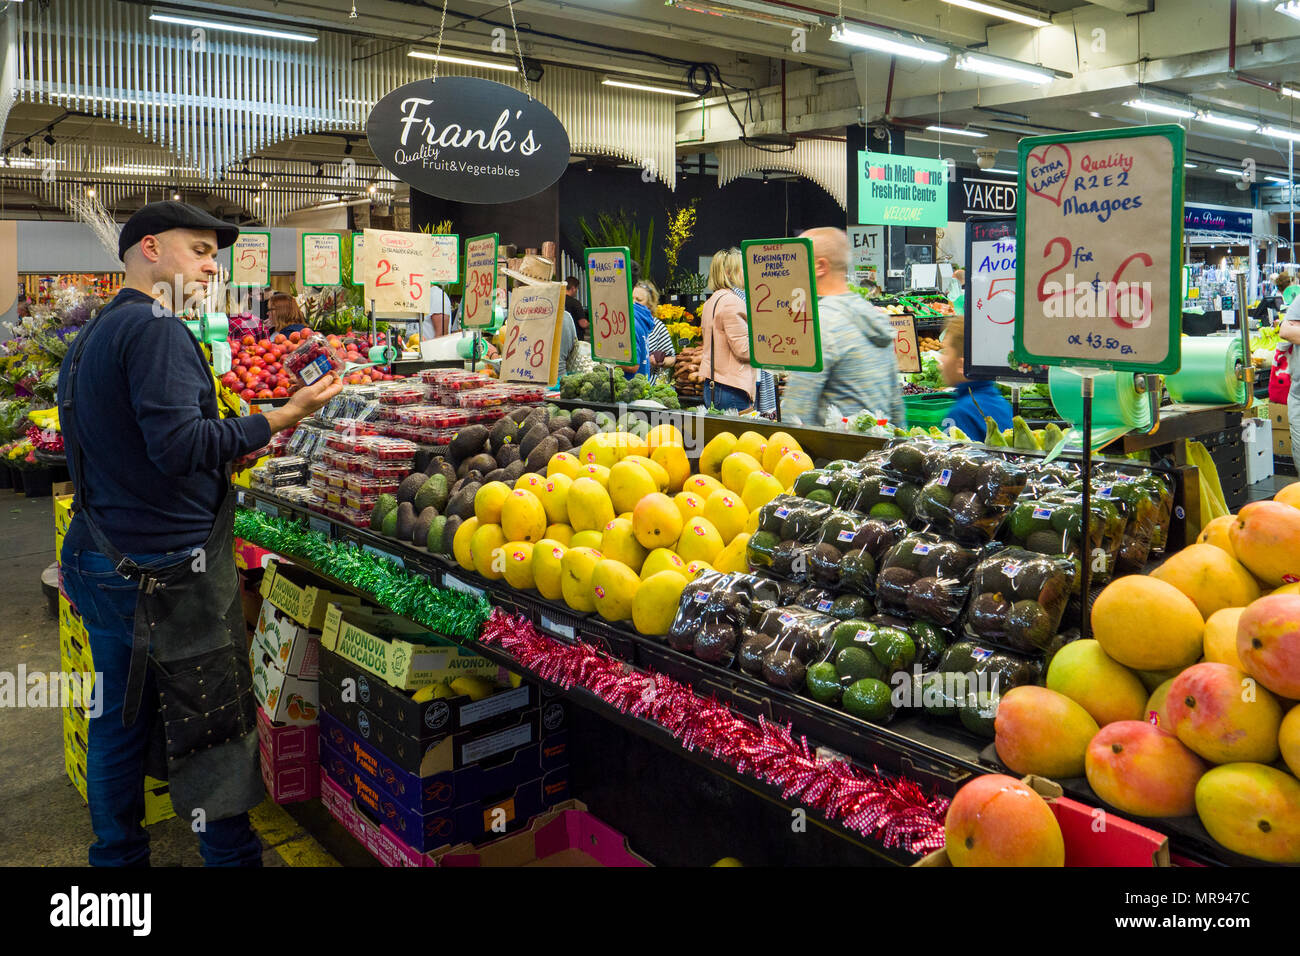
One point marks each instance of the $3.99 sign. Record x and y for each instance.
(609, 291)
(396, 273)
(532, 334)
(480, 281)
(781, 292)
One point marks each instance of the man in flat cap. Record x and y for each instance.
(148, 558)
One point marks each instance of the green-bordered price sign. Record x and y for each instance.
(609, 298)
(1099, 250)
(322, 258)
(444, 267)
(781, 294)
(480, 281)
(358, 263)
(250, 260)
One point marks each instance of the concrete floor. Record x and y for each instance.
(43, 821)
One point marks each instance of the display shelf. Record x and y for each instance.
(597, 633)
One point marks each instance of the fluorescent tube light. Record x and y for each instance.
(1228, 171)
(464, 61)
(974, 134)
(1164, 109)
(1004, 172)
(1015, 16)
(748, 10)
(233, 27)
(1278, 179)
(886, 41)
(1190, 166)
(1229, 122)
(645, 88)
(1291, 9)
(1007, 69)
(1283, 133)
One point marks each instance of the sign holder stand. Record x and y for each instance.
(1085, 541)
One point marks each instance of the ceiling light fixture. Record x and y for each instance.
(90, 191)
(1290, 91)
(1005, 69)
(888, 41)
(1282, 133)
(1229, 171)
(1278, 179)
(176, 196)
(1164, 109)
(232, 27)
(263, 185)
(1190, 166)
(1004, 172)
(464, 61)
(1228, 122)
(1015, 16)
(645, 88)
(49, 139)
(748, 10)
(953, 131)
(1291, 9)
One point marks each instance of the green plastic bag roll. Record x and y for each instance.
(1117, 406)
(1209, 372)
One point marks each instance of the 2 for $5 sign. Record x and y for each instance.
(396, 270)
(781, 293)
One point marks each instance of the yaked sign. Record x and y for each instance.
(971, 196)
(468, 140)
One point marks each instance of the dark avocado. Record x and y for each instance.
(894, 584)
(988, 614)
(824, 565)
(751, 653)
(965, 474)
(857, 573)
(716, 643)
(908, 460)
(929, 642)
(782, 669)
(1045, 542)
(1029, 627)
(800, 525)
(849, 606)
(936, 599)
(978, 713)
(935, 502)
(784, 557)
(789, 590)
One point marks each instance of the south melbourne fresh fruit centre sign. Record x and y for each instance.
(902, 190)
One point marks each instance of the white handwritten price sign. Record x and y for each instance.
(250, 260)
(322, 258)
(358, 258)
(609, 294)
(445, 266)
(906, 349)
(1099, 253)
(532, 334)
(397, 270)
(781, 292)
(990, 298)
(480, 281)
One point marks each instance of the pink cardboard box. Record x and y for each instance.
(382, 843)
(288, 743)
(567, 835)
(290, 782)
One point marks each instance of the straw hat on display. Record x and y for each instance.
(533, 270)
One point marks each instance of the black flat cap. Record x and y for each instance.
(158, 217)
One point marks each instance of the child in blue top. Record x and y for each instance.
(974, 399)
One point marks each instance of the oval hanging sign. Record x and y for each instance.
(468, 140)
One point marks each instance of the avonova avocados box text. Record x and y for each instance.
(401, 652)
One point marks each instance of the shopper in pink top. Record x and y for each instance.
(729, 379)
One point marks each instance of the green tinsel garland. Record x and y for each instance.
(410, 595)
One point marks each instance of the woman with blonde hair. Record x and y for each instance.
(729, 379)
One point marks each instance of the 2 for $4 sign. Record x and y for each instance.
(781, 293)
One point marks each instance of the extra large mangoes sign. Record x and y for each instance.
(901, 190)
(468, 140)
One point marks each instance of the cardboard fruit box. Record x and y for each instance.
(287, 743)
(423, 721)
(378, 839)
(566, 835)
(292, 647)
(449, 788)
(399, 651)
(290, 781)
(286, 699)
(297, 593)
(500, 813)
(1117, 842)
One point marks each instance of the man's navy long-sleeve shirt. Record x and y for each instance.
(152, 443)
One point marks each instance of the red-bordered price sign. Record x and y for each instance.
(906, 349)
(609, 297)
(480, 281)
(322, 258)
(781, 292)
(250, 260)
(396, 272)
(531, 352)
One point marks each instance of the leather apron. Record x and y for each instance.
(189, 631)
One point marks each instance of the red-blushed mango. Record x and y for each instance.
(1266, 539)
(1224, 715)
(1042, 732)
(1106, 689)
(1268, 643)
(1253, 810)
(996, 820)
(1138, 768)
(1210, 577)
(1147, 624)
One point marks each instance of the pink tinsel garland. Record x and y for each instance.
(893, 810)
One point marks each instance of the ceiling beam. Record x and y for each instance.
(1126, 6)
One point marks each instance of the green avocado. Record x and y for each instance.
(855, 663)
(868, 699)
(823, 683)
(978, 713)
(848, 606)
(888, 511)
(821, 496)
(894, 649)
(760, 547)
(807, 482)
(857, 572)
(847, 634)
(929, 642)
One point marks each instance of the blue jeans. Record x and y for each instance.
(726, 397)
(115, 754)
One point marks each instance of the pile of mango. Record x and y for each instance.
(1185, 699)
(620, 525)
